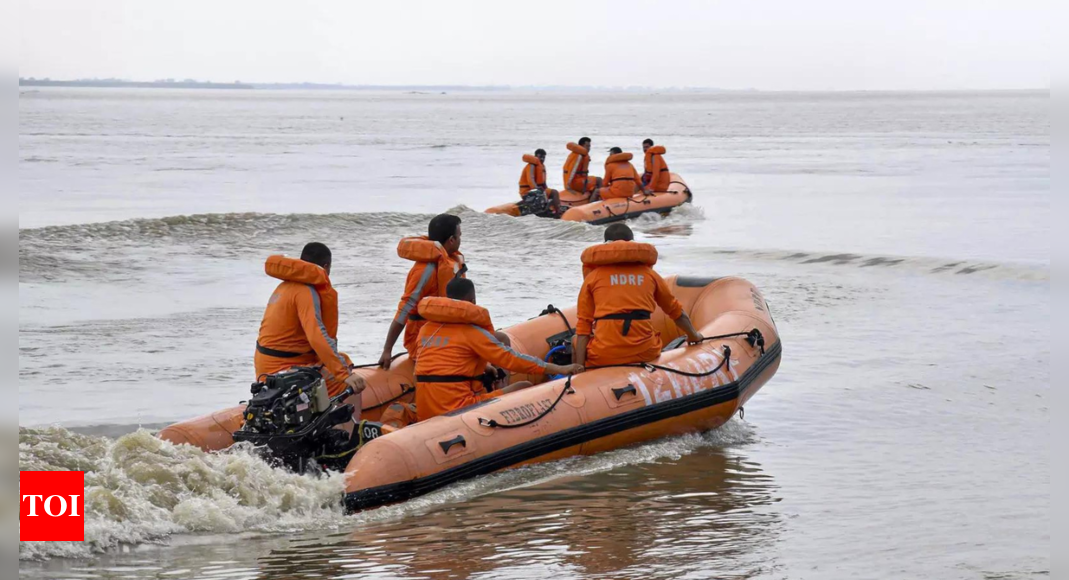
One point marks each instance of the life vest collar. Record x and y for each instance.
(295, 270)
(619, 157)
(619, 252)
(656, 150)
(577, 148)
(528, 158)
(423, 249)
(449, 311)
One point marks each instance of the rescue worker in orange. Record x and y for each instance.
(300, 324)
(577, 169)
(622, 180)
(437, 260)
(454, 348)
(534, 177)
(618, 296)
(656, 177)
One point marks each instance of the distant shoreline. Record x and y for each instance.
(116, 84)
(238, 85)
(427, 89)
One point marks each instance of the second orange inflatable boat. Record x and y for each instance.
(688, 389)
(579, 209)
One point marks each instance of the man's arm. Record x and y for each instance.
(667, 301)
(585, 326)
(488, 347)
(415, 287)
(579, 348)
(396, 328)
(310, 313)
(569, 175)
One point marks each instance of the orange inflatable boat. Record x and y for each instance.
(579, 209)
(688, 389)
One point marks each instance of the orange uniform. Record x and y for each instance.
(577, 170)
(619, 294)
(300, 324)
(455, 345)
(432, 271)
(621, 178)
(533, 176)
(656, 177)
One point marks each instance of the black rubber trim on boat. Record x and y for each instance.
(627, 216)
(694, 282)
(401, 491)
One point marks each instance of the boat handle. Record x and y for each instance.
(458, 440)
(621, 392)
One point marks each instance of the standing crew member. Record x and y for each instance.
(621, 178)
(577, 169)
(300, 324)
(534, 177)
(657, 177)
(618, 297)
(455, 345)
(437, 260)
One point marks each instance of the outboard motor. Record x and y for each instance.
(535, 203)
(293, 422)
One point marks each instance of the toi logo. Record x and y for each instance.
(51, 506)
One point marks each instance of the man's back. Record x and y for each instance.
(300, 323)
(454, 346)
(281, 328)
(621, 178)
(619, 294)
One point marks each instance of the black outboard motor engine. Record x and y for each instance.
(536, 203)
(292, 422)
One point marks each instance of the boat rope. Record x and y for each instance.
(650, 367)
(753, 337)
(493, 424)
(372, 365)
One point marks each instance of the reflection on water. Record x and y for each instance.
(706, 512)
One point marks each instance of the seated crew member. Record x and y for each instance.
(618, 296)
(657, 177)
(437, 260)
(534, 177)
(300, 324)
(621, 178)
(455, 345)
(577, 169)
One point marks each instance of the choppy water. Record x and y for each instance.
(902, 239)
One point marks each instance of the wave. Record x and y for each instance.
(88, 250)
(921, 265)
(140, 489)
(84, 250)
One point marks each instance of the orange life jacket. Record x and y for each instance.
(620, 292)
(621, 178)
(657, 176)
(454, 346)
(300, 323)
(577, 168)
(533, 176)
(434, 268)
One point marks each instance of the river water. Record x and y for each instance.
(902, 241)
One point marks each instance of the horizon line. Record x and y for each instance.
(97, 82)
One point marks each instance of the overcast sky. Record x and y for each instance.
(774, 45)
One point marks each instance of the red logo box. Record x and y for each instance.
(52, 506)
